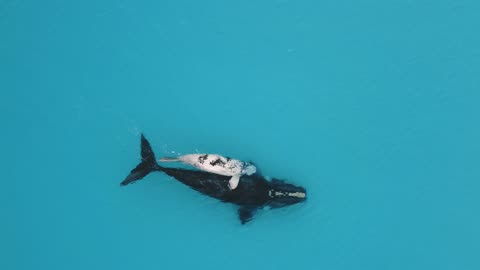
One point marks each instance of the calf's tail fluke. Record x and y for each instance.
(145, 167)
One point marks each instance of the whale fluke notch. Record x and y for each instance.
(145, 167)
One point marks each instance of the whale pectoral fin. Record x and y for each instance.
(233, 182)
(245, 214)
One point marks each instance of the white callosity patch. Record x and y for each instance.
(296, 194)
(289, 194)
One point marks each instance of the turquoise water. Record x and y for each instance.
(372, 106)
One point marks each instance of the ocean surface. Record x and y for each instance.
(373, 106)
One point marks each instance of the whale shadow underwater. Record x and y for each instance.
(252, 193)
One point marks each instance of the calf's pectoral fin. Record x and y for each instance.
(233, 182)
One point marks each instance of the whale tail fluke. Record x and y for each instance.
(145, 167)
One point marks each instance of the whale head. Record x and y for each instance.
(283, 194)
(249, 169)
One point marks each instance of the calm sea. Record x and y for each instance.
(373, 106)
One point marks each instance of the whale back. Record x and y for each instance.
(252, 190)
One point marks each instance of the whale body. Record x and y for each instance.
(253, 191)
(217, 164)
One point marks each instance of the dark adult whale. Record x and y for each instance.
(253, 192)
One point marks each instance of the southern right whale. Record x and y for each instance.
(253, 191)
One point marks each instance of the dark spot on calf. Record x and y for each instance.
(217, 162)
(202, 158)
